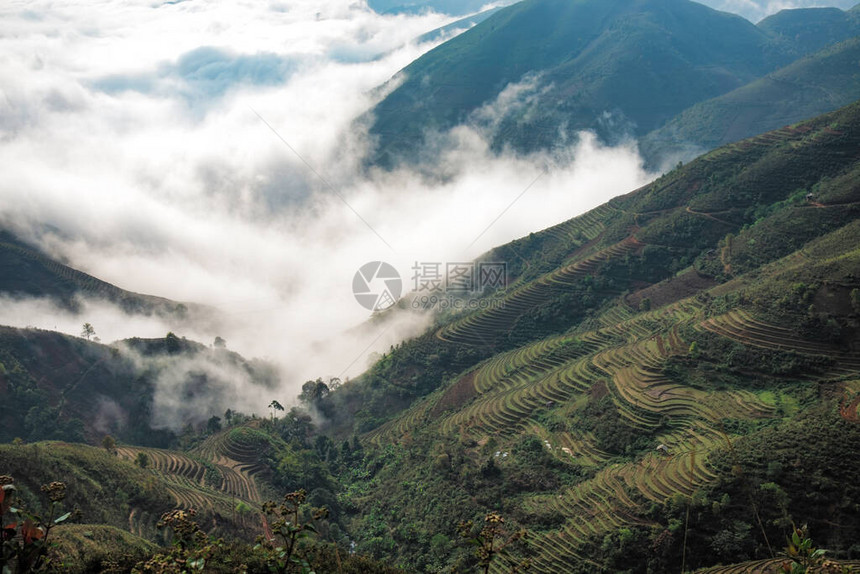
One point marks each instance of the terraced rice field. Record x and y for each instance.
(625, 354)
(587, 226)
(213, 478)
(763, 141)
(192, 477)
(628, 354)
(615, 497)
(741, 326)
(236, 452)
(483, 328)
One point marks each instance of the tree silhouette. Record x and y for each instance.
(87, 331)
(275, 406)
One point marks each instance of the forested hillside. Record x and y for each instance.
(654, 392)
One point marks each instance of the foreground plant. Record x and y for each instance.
(803, 557)
(281, 544)
(191, 550)
(492, 542)
(25, 541)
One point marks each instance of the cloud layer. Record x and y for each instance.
(207, 152)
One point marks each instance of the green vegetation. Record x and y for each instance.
(807, 30)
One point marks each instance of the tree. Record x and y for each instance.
(694, 350)
(275, 406)
(314, 391)
(726, 253)
(109, 444)
(492, 543)
(219, 343)
(213, 425)
(87, 331)
(142, 460)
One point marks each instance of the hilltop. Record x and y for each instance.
(806, 30)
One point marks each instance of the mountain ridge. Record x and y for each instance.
(805, 88)
(28, 272)
(618, 68)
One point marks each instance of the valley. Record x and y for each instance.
(668, 382)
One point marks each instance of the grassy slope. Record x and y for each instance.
(599, 56)
(587, 405)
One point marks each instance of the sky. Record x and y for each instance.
(211, 151)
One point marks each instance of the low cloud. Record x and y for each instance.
(203, 74)
(173, 185)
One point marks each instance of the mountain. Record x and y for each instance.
(617, 67)
(803, 31)
(673, 376)
(623, 56)
(27, 272)
(757, 10)
(806, 88)
(669, 382)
